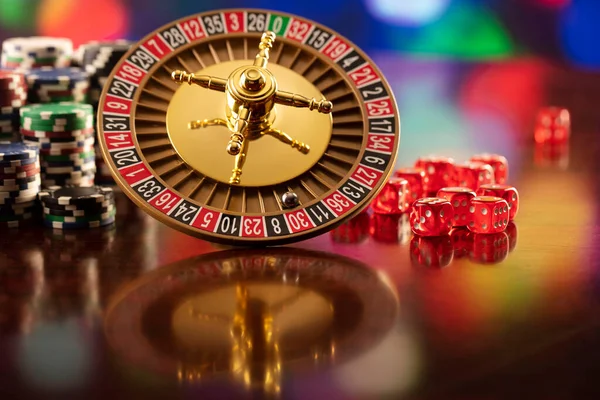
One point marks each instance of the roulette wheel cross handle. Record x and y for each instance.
(251, 95)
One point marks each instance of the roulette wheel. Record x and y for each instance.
(248, 127)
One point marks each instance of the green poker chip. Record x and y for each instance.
(53, 111)
(70, 157)
(112, 211)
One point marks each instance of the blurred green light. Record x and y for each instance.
(466, 31)
(17, 14)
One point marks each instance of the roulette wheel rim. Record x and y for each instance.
(369, 161)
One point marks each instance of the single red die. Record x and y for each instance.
(390, 228)
(431, 251)
(508, 193)
(393, 198)
(498, 163)
(553, 125)
(355, 230)
(462, 241)
(417, 181)
(439, 171)
(460, 198)
(488, 214)
(489, 249)
(431, 216)
(472, 174)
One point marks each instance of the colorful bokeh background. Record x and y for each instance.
(563, 30)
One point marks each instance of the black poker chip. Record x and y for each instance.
(73, 195)
(85, 208)
(19, 181)
(79, 213)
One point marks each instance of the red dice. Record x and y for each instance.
(393, 198)
(513, 233)
(390, 228)
(431, 216)
(498, 163)
(355, 230)
(472, 174)
(460, 198)
(508, 193)
(553, 125)
(489, 249)
(431, 251)
(439, 171)
(417, 182)
(488, 214)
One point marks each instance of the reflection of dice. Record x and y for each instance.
(472, 174)
(355, 230)
(439, 172)
(431, 216)
(462, 241)
(460, 198)
(498, 163)
(508, 193)
(417, 181)
(488, 214)
(393, 198)
(489, 249)
(551, 155)
(390, 228)
(553, 125)
(513, 233)
(431, 251)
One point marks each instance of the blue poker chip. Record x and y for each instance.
(17, 163)
(63, 145)
(17, 151)
(56, 76)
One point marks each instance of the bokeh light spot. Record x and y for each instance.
(83, 21)
(407, 12)
(579, 32)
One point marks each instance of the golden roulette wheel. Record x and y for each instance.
(248, 127)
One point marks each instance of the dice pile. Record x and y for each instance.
(445, 200)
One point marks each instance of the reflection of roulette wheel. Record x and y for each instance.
(285, 129)
(251, 315)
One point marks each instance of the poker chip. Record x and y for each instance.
(17, 152)
(36, 52)
(79, 213)
(51, 85)
(83, 209)
(78, 196)
(110, 213)
(79, 225)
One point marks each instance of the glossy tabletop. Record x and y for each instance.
(363, 312)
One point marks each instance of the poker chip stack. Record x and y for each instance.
(64, 134)
(99, 59)
(19, 184)
(72, 207)
(35, 52)
(53, 85)
(13, 95)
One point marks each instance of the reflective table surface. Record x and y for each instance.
(364, 312)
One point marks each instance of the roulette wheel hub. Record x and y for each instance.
(248, 127)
